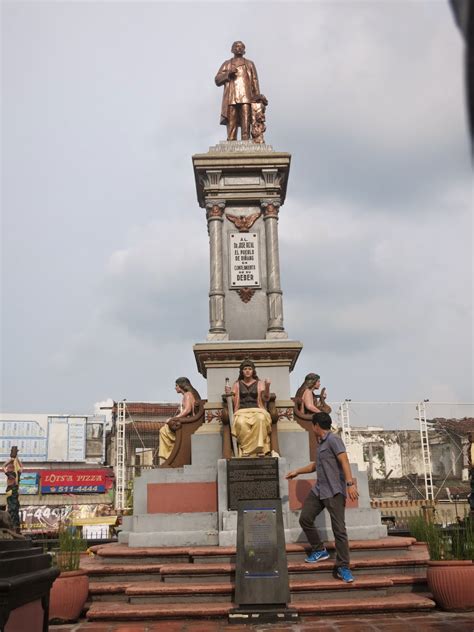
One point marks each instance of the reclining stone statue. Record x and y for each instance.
(252, 423)
(175, 435)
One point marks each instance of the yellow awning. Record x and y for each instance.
(80, 522)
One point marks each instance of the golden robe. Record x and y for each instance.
(252, 428)
(167, 440)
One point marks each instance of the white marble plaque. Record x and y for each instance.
(244, 260)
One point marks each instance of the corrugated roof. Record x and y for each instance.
(155, 409)
(149, 427)
(460, 426)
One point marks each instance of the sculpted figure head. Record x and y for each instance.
(238, 48)
(311, 380)
(245, 364)
(185, 386)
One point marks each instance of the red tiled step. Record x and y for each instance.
(123, 550)
(110, 588)
(373, 604)
(122, 569)
(399, 580)
(160, 588)
(371, 581)
(127, 611)
(115, 611)
(197, 569)
(226, 568)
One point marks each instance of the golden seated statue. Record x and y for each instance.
(175, 435)
(254, 416)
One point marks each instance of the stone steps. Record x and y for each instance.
(127, 611)
(308, 589)
(182, 582)
(412, 563)
(122, 554)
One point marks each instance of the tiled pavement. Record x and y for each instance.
(434, 621)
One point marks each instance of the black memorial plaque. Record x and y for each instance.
(261, 573)
(260, 542)
(252, 479)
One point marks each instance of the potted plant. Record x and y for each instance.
(70, 589)
(450, 572)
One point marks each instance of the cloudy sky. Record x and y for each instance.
(105, 252)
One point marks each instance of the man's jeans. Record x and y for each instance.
(336, 505)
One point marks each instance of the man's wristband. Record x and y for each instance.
(350, 483)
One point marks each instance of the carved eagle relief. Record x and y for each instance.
(244, 223)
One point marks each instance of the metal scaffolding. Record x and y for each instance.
(120, 458)
(345, 422)
(425, 450)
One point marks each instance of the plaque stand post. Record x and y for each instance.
(262, 591)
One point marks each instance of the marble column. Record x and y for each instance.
(275, 327)
(215, 220)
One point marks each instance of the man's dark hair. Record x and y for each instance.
(323, 420)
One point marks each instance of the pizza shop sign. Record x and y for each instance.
(72, 481)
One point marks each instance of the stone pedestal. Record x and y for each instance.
(274, 359)
(242, 186)
(178, 506)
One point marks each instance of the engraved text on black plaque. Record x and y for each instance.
(260, 543)
(252, 479)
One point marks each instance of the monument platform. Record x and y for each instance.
(189, 506)
(198, 582)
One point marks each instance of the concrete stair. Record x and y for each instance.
(180, 582)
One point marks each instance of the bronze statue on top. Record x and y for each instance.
(242, 104)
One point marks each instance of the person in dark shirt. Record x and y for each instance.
(334, 483)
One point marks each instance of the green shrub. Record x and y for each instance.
(452, 543)
(71, 545)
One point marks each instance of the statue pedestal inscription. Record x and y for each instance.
(251, 479)
(261, 576)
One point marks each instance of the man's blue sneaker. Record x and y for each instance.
(317, 556)
(345, 574)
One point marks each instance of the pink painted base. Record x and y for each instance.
(299, 489)
(181, 497)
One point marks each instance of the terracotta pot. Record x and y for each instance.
(452, 584)
(68, 595)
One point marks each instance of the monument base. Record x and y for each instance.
(188, 506)
(260, 614)
(362, 522)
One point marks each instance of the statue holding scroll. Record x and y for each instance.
(252, 424)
